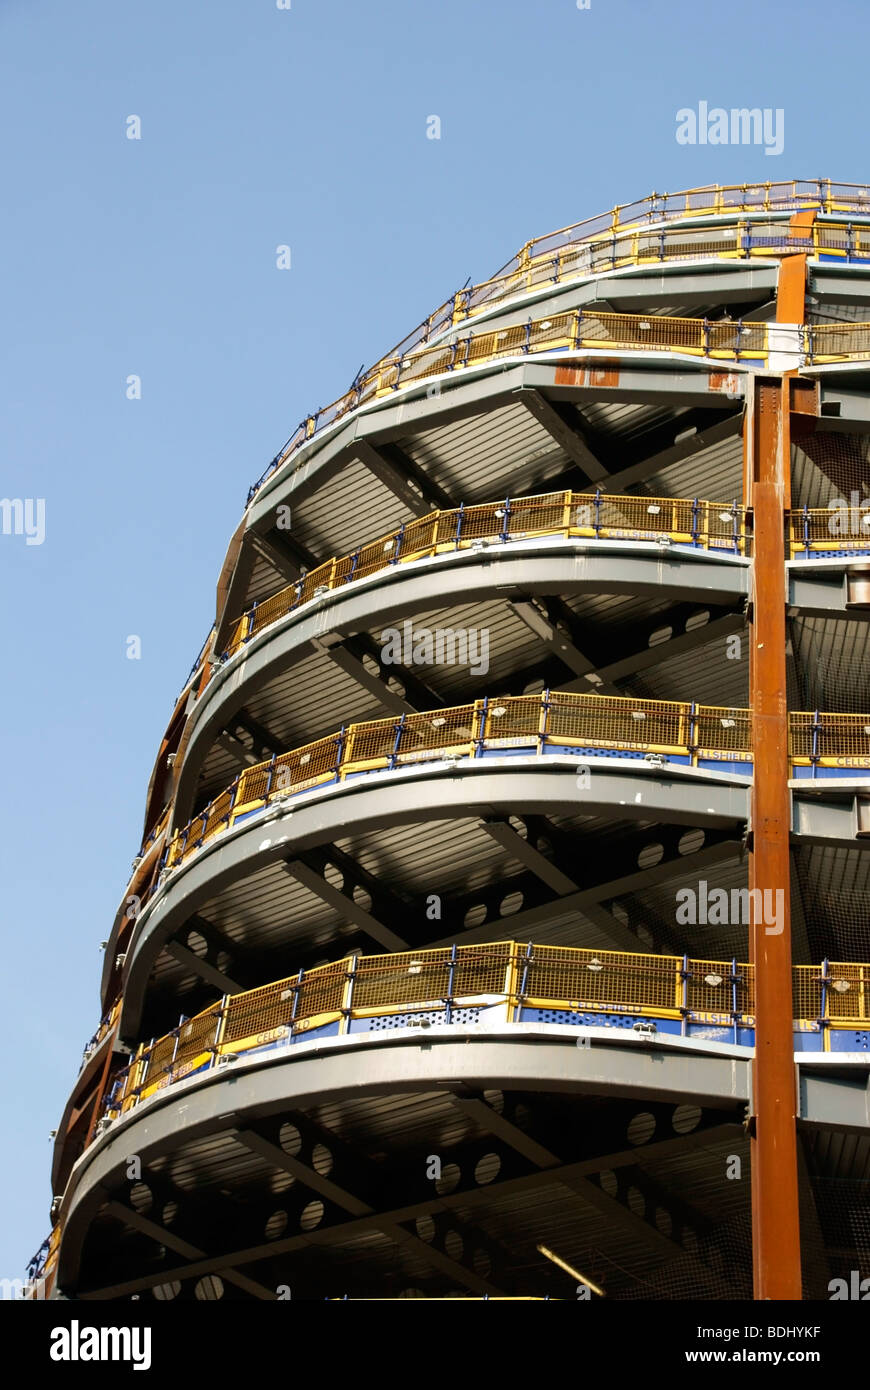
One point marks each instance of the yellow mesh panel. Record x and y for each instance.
(419, 537)
(839, 340)
(852, 1002)
(252, 784)
(322, 990)
(513, 716)
(376, 556)
(160, 1059)
(304, 765)
(320, 578)
(723, 729)
(593, 719)
(370, 742)
(837, 735)
(807, 991)
(196, 1036)
(407, 977)
(442, 729)
(709, 987)
(563, 974)
(258, 1010)
(218, 811)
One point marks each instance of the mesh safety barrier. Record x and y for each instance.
(710, 525)
(563, 978)
(549, 720)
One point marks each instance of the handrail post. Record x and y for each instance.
(814, 743)
(684, 976)
(544, 721)
(480, 740)
(347, 996)
(691, 741)
(451, 976)
(399, 728)
(824, 1006)
(735, 980)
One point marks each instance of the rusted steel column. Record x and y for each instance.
(775, 1228)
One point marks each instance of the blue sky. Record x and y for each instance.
(157, 257)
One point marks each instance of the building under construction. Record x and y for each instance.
(505, 862)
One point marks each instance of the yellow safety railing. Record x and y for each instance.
(829, 740)
(837, 342)
(552, 717)
(709, 525)
(560, 719)
(507, 972)
(844, 525)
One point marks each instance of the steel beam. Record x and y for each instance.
(775, 1207)
(566, 427)
(345, 906)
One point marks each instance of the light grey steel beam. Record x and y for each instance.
(527, 854)
(561, 645)
(500, 1127)
(288, 557)
(390, 474)
(830, 815)
(283, 1162)
(846, 284)
(844, 404)
(820, 589)
(833, 1097)
(210, 973)
(570, 437)
(587, 901)
(339, 655)
(646, 657)
(687, 443)
(245, 757)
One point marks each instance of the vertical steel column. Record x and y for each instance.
(775, 1225)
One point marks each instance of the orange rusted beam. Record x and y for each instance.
(791, 290)
(775, 1220)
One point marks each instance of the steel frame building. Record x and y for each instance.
(545, 928)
